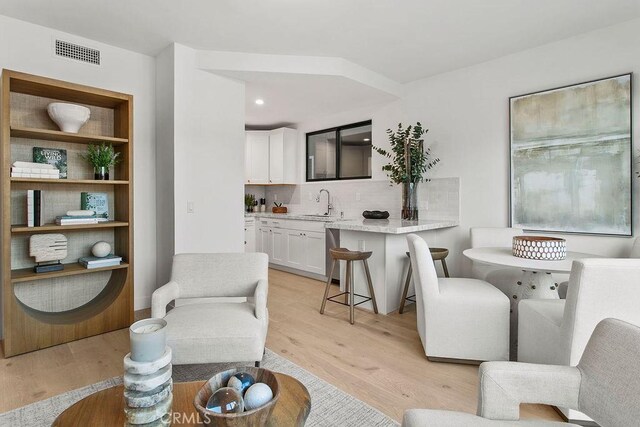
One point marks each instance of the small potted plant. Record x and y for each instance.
(249, 201)
(101, 157)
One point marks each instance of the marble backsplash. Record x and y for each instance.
(438, 199)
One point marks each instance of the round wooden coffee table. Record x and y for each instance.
(106, 407)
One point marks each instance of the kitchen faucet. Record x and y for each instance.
(329, 205)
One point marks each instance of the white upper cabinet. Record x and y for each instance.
(257, 157)
(271, 156)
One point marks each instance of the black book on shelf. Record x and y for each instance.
(37, 208)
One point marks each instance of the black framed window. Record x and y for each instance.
(343, 152)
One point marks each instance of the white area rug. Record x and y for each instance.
(329, 405)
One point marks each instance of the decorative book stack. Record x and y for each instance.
(35, 208)
(96, 202)
(79, 217)
(94, 262)
(34, 170)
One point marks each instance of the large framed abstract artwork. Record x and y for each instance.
(571, 158)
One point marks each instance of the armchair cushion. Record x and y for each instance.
(213, 333)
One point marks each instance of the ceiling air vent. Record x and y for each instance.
(77, 52)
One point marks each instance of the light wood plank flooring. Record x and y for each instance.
(378, 360)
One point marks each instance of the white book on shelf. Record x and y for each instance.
(30, 209)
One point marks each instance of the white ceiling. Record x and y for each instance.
(294, 98)
(397, 40)
(402, 39)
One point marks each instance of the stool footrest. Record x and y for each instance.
(366, 298)
(411, 298)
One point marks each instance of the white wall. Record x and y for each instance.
(29, 48)
(165, 217)
(207, 145)
(468, 112)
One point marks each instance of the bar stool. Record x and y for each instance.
(436, 254)
(343, 254)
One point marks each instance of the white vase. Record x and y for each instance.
(69, 117)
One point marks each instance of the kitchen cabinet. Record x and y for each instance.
(257, 157)
(270, 156)
(278, 246)
(299, 245)
(295, 249)
(315, 252)
(263, 241)
(249, 235)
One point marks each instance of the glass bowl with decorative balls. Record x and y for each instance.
(222, 401)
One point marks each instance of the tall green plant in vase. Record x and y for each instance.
(410, 160)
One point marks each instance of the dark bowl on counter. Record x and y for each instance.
(375, 214)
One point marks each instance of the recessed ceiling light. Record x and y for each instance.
(260, 101)
(367, 139)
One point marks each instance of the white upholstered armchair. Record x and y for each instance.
(605, 385)
(217, 330)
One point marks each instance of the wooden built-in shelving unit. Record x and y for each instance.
(27, 328)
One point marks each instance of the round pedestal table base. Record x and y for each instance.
(532, 284)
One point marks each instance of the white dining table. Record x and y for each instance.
(537, 275)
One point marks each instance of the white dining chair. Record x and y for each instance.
(556, 331)
(633, 253)
(495, 237)
(458, 319)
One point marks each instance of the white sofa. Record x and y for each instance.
(223, 329)
(605, 385)
(556, 331)
(459, 319)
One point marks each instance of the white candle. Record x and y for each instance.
(148, 340)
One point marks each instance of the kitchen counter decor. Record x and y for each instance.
(540, 247)
(375, 214)
(409, 162)
(278, 208)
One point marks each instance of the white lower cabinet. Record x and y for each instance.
(315, 252)
(263, 241)
(295, 249)
(299, 245)
(278, 246)
(249, 236)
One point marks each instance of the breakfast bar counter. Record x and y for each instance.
(388, 262)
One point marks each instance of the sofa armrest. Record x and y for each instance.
(163, 296)
(260, 299)
(504, 385)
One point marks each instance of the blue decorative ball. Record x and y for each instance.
(257, 395)
(241, 381)
(226, 400)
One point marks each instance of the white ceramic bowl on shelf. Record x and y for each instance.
(69, 117)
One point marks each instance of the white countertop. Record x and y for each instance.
(300, 217)
(391, 226)
(388, 226)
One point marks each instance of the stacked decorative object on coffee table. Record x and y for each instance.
(147, 379)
